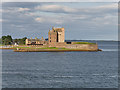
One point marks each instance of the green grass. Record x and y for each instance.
(38, 48)
(48, 48)
(22, 47)
(51, 48)
(83, 43)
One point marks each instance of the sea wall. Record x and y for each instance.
(82, 46)
(75, 46)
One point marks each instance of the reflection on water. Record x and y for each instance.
(62, 69)
(109, 49)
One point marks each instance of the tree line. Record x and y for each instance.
(8, 40)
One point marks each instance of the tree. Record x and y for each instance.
(7, 40)
(16, 40)
(9, 37)
(20, 41)
(0, 40)
(24, 39)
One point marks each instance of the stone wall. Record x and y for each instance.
(61, 44)
(57, 44)
(82, 46)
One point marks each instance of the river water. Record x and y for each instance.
(61, 69)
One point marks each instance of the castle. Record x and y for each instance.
(56, 38)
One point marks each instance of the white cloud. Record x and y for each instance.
(14, 10)
(15, 25)
(45, 19)
(56, 8)
(112, 7)
(0, 10)
(39, 19)
(106, 20)
(109, 6)
(1, 20)
(23, 9)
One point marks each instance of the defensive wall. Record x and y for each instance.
(82, 46)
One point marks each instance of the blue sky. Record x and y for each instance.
(82, 21)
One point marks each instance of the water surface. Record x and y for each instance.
(62, 69)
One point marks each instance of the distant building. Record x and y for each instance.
(16, 44)
(36, 42)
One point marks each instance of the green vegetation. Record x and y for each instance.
(48, 48)
(51, 48)
(20, 41)
(83, 43)
(38, 48)
(7, 40)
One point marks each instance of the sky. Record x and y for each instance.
(81, 20)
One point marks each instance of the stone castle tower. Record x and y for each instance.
(56, 35)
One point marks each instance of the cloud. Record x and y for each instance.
(83, 13)
(45, 19)
(109, 6)
(106, 20)
(0, 10)
(1, 20)
(56, 8)
(14, 10)
(23, 9)
(94, 20)
(16, 25)
(39, 19)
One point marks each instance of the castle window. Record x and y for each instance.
(68, 42)
(50, 40)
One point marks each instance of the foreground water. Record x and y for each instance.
(62, 69)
